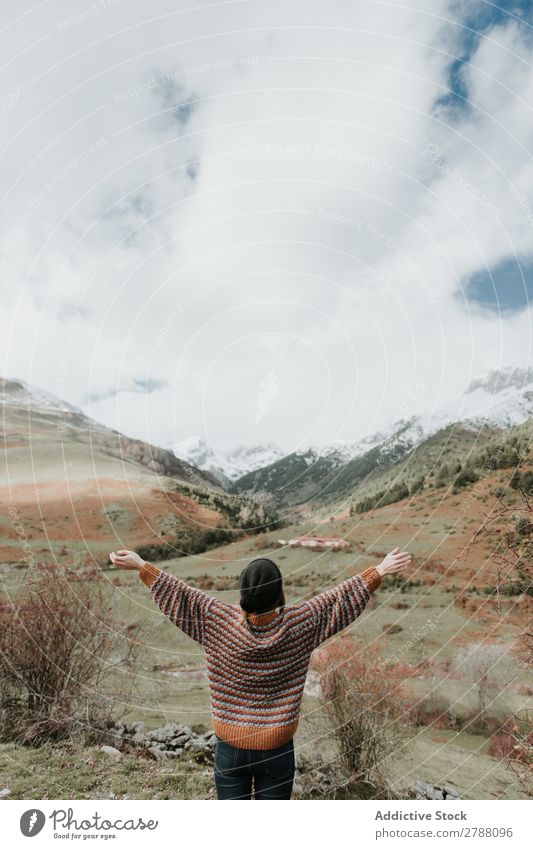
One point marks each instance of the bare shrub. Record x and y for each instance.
(59, 644)
(365, 702)
(435, 708)
(485, 669)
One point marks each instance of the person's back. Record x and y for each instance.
(257, 658)
(256, 669)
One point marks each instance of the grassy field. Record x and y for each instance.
(442, 610)
(168, 683)
(66, 771)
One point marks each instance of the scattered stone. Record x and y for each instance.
(139, 730)
(110, 750)
(5, 793)
(198, 744)
(159, 754)
(177, 742)
(424, 790)
(170, 740)
(161, 735)
(449, 792)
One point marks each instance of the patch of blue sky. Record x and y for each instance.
(474, 20)
(506, 289)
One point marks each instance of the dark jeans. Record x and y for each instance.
(269, 771)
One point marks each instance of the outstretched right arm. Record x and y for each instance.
(335, 609)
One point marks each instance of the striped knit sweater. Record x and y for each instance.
(256, 667)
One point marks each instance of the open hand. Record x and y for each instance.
(124, 559)
(395, 562)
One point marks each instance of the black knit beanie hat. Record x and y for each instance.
(260, 584)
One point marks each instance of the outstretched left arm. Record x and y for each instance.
(185, 606)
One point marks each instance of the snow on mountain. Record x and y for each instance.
(500, 399)
(497, 380)
(340, 452)
(226, 467)
(19, 393)
(246, 458)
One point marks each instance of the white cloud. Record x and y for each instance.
(223, 193)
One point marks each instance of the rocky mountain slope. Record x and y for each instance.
(73, 487)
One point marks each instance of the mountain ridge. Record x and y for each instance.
(496, 401)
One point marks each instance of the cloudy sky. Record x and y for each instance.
(285, 222)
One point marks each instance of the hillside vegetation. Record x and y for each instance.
(391, 471)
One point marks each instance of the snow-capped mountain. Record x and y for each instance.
(63, 423)
(498, 380)
(500, 399)
(340, 452)
(18, 393)
(225, 467)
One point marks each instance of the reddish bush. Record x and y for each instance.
(366, 701)
(501, 745)
(58, 642)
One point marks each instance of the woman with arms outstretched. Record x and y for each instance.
(257, 657)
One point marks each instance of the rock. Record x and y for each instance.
(157, 736)
(178, 742)
(166, 733)
(424, 790)
(184, 729)
(198, 744)
(5, 793)
(173, 737)
(449, 792)
(158, 754)
(138, 729)
(110, 750)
